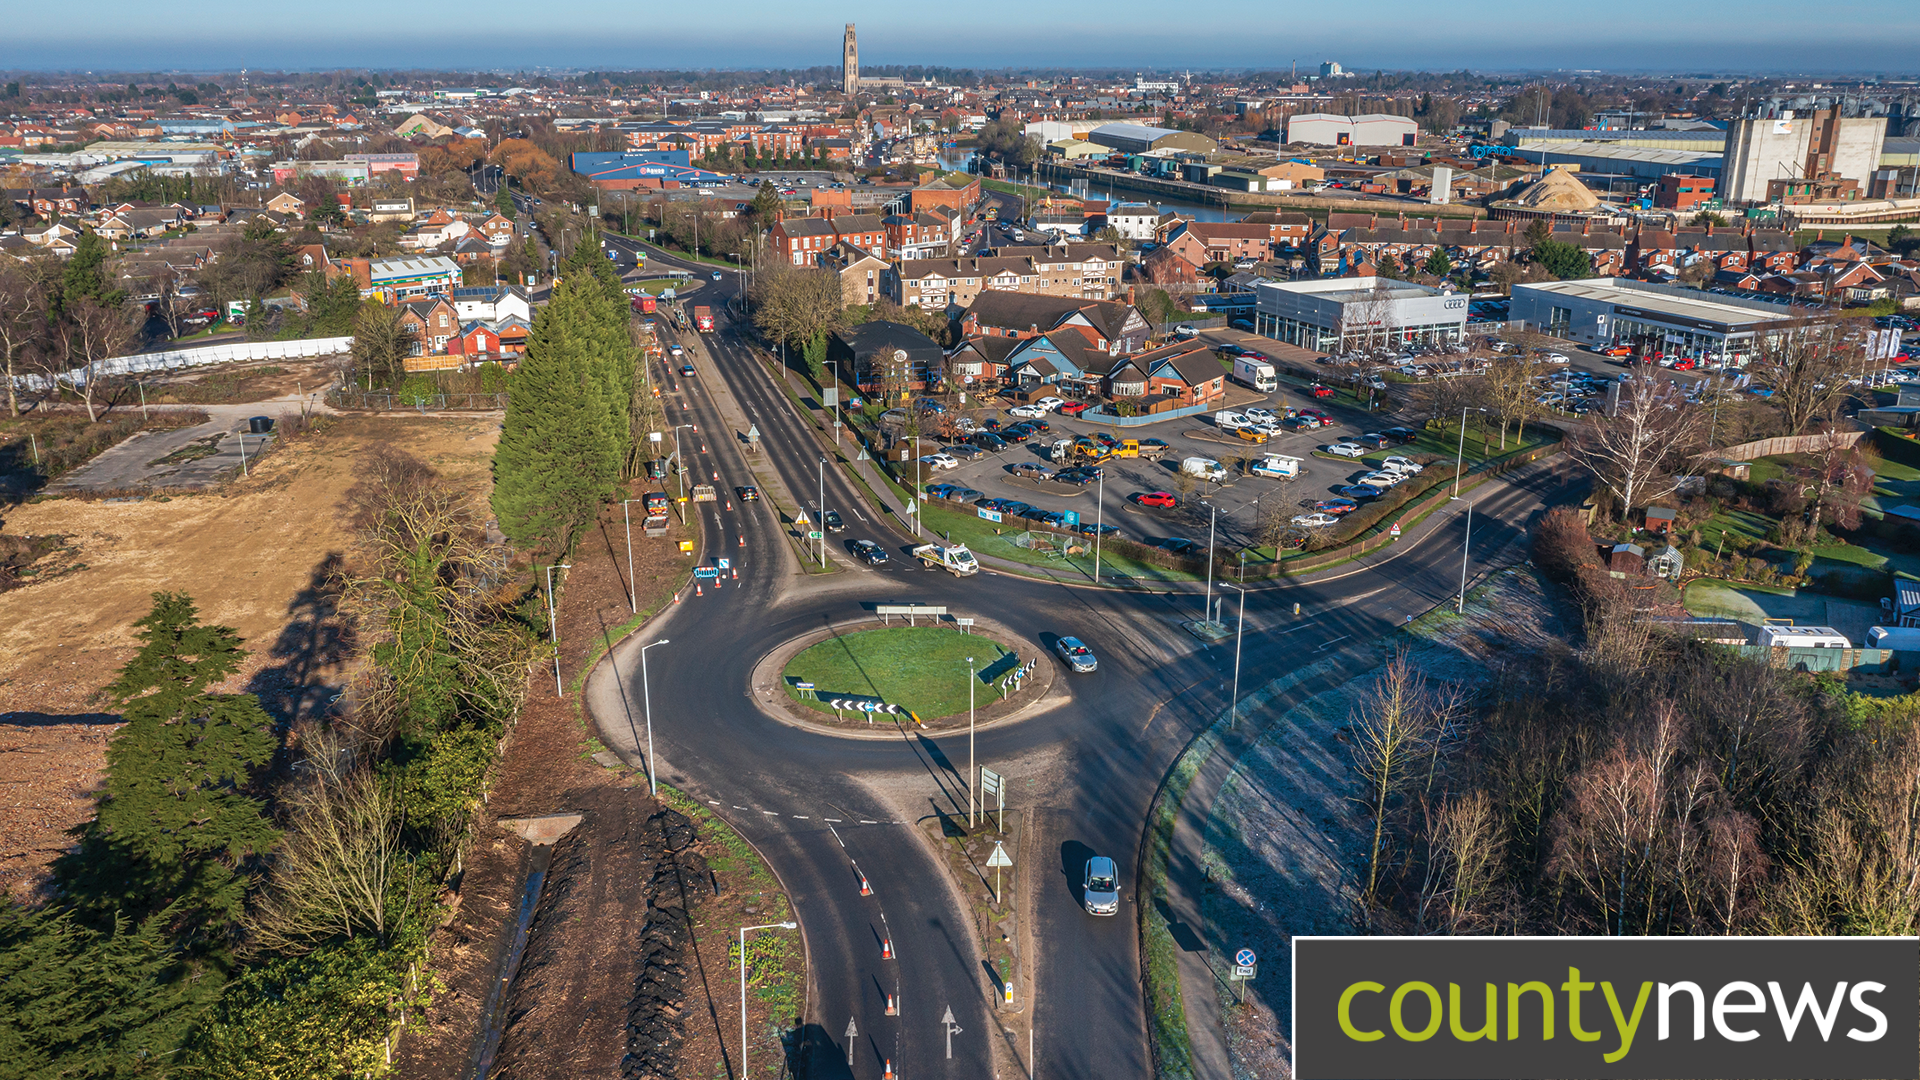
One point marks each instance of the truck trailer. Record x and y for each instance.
(1257, 374)
(703, 319)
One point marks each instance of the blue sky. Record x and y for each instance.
(1506, 35)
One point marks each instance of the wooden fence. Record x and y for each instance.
(1788, 444)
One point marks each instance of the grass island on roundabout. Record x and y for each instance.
(923, 670)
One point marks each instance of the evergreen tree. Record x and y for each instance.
(87, 1003)
(503, 202)
(1438, 264)
(1389, 267)
(612, 351)
(767, 205)
(84, 277)
(556, 459)
(175, 824)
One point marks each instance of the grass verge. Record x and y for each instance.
(918, 668)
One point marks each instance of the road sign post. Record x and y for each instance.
(992, 783)
(998, 860)
(1245, 967)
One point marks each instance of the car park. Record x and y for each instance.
(869, 552)
(1347, 449)
(1166, 500)
(1100, 890)
(1315, 520)
(747, 493)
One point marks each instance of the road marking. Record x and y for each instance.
(739, 808)
(1330, 644)
(833, 821)
(1291, 629)
(1164, 704)
(864, 821)
(714, 802)
(836, 837)
(771, 813)
(801, 817)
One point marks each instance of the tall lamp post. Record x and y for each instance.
(822, 508)
(836, 400)
(1213, 519)
(553, 629)
(646, 704)
(1233, 704)
(743, 985)
(1099, 520)
(1460, 452)
(633, 594)
(973, 771)
(680, 461)
(1466, 542)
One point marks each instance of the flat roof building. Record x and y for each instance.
(1603, 312)
(1369, 129)
(1357, 314)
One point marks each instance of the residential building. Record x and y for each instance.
(1110, 326)
(862, 273)
(801, 240)
(432, 323)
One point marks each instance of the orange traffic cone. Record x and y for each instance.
(696, 589)
(716, 582)
(886, 948)
(716, 476)
(676, 596)
(865, 889)
(743, 541)
(729, 504)
(893, 1007)
(888, 1075)
(736, 573)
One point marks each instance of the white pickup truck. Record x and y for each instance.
(955, 559)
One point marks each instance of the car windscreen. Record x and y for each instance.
(1099, 884)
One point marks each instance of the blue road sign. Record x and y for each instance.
(1073, 518)
(724, 564)
(706, 571)
(1244, 958)
(990, 515)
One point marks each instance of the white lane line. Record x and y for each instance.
(864, 821)
(836, 837)
(1330, 643)
(739, 808)
(833, 821)
(771, 813)
(801, 817)
(1291, 629)
(715, 802)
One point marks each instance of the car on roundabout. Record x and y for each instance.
(1076, 654)
(868, 552)
(833, 521)
(1100, 889)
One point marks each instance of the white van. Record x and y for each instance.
(1276, 465)
(1229, 421)
(1204, 469)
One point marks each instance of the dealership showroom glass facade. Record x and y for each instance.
(1653, 318)
(1338, 315)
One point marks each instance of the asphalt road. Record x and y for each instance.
(816, 804)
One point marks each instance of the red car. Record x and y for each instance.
(1317, 415)
(1163, 499)
(1320, 391)
(1685, 363)
(1073, 408)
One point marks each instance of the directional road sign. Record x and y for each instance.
(813, 534)
(724, 564)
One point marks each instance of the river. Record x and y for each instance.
(956, 160)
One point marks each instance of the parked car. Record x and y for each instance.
(1401, 465)
(1088, 528)
(1315, 520)
(1336, 506)
(965, 495)
(1033, 411)
(1048, 404)
(1259, 415)
(1180, 545)
(1165, 500)
(1185, 330)
(1380, 479)
(940, 461)
(869, 552)
(1101, 890)
(988, 441)
(1010, 507)
(1373, 439)
(1032, 471)
(1362, 492)
(1347, 449)
(1073, 408)
(1402, 434)
(1320, 391)
(966, 451)
(1229, 421)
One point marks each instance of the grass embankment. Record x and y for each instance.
(987, 538)
(919, 668)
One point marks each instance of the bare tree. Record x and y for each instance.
(90, 333)
(1510, 393)
(796, 304)
(1633, 453)
(1805, 363)
(23, 319)
(381, 343)
(1391, 726)
(1465, 849)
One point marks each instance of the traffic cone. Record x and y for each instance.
(865, 889)
(716, 582)
(886, 948)
(893, 1007)
(743, 540)
(736, 573)
(888, 1075)
(676, 596)
(716, 476)
(696, 589)
(729, 504)
(703, 448)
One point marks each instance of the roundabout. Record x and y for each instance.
(861, 678)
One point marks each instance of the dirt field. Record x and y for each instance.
(254, 556)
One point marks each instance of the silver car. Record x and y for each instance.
(1076, 654)
(1102, 891)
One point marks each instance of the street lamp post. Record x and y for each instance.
(1099, 521)
(646, 704)
(553, 629)
(973, 771)
(1460, 452)
(1233, 704)
(743, 985)
(836, 400)
(1213, 519)
(822, 508)
(680, 461)
(633, 594)
(1466, 542)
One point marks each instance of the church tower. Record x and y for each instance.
(850, 65)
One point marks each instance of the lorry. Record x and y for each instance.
(1255, 373)
(645, 304)
(955, 559)
(655, 525)
(703, 319)
(1278, 466)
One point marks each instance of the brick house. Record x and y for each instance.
(1110, 326)
(1186, 371)
(432, 323)
(799, 240)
